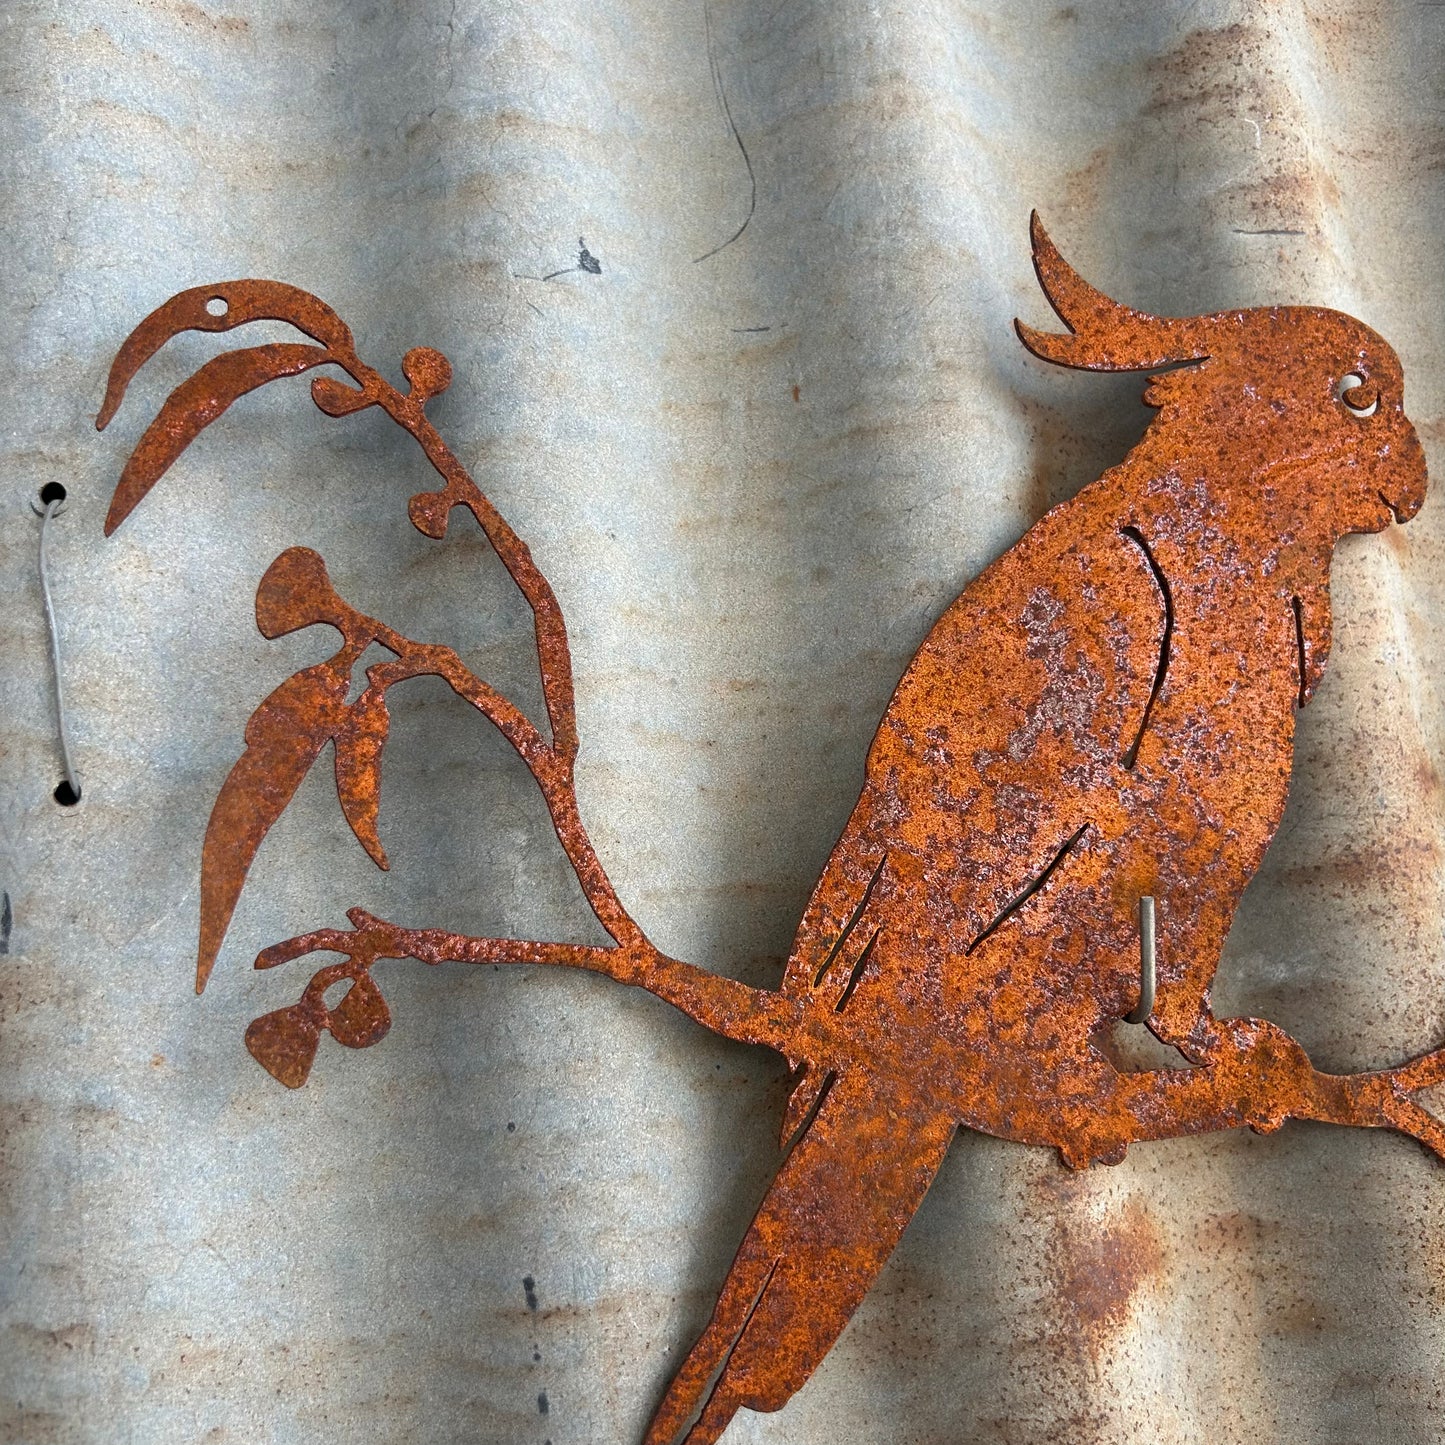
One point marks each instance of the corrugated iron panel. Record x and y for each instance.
(755, 469)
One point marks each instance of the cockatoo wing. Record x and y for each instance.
(1012, 727)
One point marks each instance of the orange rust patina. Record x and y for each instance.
(1106, 713)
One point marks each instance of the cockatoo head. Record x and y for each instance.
(1296, 413)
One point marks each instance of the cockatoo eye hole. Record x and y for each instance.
(1360, 396)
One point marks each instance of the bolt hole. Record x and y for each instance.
(66, 795)
(51, 492)
(217, 306)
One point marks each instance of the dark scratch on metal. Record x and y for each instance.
(586, 261)
(722, 96)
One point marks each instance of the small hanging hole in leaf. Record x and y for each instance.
(66, 795)
(217, 306)
(52, 492)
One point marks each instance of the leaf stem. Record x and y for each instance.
(552, 763)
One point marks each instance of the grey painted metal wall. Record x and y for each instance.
(754, 472)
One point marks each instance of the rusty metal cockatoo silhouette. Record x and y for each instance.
(1105, 714)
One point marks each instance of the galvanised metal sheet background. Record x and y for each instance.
(755, 469)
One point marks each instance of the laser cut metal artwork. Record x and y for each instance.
(1105, 714)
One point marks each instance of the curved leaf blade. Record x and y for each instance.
(283, 738)
(335, 398)
(358, 769)
(194, 405)
(239, 302)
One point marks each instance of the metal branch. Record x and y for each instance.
(725, 1006)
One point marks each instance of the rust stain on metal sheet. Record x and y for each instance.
(1107, 712)
(1100, 1268)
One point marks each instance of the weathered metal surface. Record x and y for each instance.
(189, 1251)
(1105, 715)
